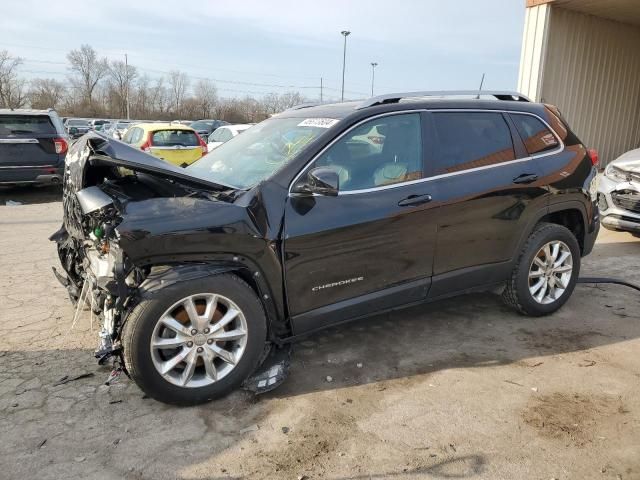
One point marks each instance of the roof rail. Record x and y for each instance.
(396, 97)
(301, 106)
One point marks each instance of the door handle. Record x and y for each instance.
(525, 178)
(413, 200)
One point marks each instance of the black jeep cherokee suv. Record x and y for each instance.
(317, 216)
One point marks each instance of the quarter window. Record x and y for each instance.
(470, 140)
(536, 136)
(380, 152)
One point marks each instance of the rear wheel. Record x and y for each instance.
(546, 271)
(195, 340)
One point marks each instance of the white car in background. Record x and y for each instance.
(224, 134)
(619, 194)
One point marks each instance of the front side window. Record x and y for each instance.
(470, 140)
(380, 152)
(536, 136)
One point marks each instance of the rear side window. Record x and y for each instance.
(26, 125)
(536, 136)
(470, 140)
(173, 138)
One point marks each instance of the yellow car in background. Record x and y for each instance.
(172, 142)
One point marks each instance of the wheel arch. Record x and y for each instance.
(277, 325)
(570, 214)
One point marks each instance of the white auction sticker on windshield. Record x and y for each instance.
(318, 122)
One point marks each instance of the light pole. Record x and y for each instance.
(373, 75)
(345, 34)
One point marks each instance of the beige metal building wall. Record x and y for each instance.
(589, 67)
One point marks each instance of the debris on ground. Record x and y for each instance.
(514, 383)
(537, 364)
(285, 430)
(12, 203)
(359, 365)
(67, 379)
(329, 378)
(250, 428)
(80, 459)
(41, 444)
(111, 402)
(535, 389)
(586, 363)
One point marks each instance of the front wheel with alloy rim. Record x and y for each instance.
(195, 340)
(546, 271)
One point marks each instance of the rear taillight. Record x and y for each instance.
(146, 146)
(61, 145)
(593, 155)
(203, 145)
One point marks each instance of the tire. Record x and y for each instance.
(213, 375)
(518, 292)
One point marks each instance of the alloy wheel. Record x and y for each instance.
(199, 340)
(550, 272)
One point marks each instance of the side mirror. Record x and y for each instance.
(321, 180)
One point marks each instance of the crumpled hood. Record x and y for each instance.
(629, 161)
(101, 150)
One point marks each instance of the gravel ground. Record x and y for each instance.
(463, 388)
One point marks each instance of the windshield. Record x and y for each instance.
(255, 155)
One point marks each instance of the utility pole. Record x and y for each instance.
(373, 75)
(126, 77)
(345, 34)
(320, 89)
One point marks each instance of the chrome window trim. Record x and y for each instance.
(17, 141)
(560, 148)
(9, 167)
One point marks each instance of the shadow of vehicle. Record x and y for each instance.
(88, 427)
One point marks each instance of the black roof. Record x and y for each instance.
(345, 109)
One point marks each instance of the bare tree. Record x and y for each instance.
(159, 98)
(206, 95)
(46, 93)
(88, 70)
(178, 85)
(141, 97)
(122, 77)
(11, 86)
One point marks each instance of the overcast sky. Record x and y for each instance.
(252, 46)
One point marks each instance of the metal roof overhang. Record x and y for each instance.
(625, 11)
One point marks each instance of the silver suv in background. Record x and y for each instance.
(619, 194)
(33, 146)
